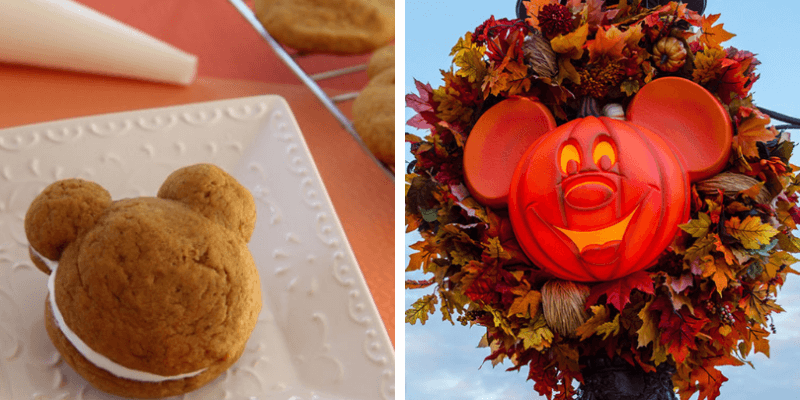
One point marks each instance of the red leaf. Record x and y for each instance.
(618, 292)
(678, 328)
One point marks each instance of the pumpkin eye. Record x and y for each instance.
(569, 153)
(604, 148)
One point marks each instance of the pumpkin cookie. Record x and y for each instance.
(151, 296)
(381, 60)
(328, 26)
(373, 116)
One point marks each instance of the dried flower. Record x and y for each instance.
(554, 20)
(599, 78)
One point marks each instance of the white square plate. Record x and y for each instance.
(319, 335)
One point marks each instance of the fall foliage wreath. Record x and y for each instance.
(708, 300)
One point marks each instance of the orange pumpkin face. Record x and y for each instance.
(614, 203)
(596, 198)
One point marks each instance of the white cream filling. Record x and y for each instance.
(94, 357)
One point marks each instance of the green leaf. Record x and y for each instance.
(420, 309)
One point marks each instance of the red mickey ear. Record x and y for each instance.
(496, 144)
(691, 118)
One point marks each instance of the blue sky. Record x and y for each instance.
(442, 361)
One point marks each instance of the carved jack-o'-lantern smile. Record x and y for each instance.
(596, 199)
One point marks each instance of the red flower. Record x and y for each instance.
(554, 20)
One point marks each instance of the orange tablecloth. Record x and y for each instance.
(233, 62)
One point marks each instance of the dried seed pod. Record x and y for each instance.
(732, 183)
(540, 56)
(563, 305)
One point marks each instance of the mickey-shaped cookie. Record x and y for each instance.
(597, 198)
(151, 296)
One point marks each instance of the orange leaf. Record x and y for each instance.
(713, 35)
(753, 129)
(527, 305)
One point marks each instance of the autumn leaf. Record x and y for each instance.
(701, 247)
(611, 43)
(420, 309)
(536, 336)
(599, 317)
(595, 14)
(777, 261)
(708, 379)
(751, 130)
(452, 302)
(420, 260)
(609, 328)
(526, 305)
(468, 57)
(493, 249)
(618, 291)
(630, 87)
(678, 329)
(571, 44)
(649, 330)
(697, 227)
(751, 232)
(712, 34)
(722, 275)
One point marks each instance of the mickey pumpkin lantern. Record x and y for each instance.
(597, 199)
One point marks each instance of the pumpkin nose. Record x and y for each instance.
(589, 195)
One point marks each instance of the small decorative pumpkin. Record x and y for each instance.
(597, 198)
(669, 54)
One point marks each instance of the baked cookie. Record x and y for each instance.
(381, 60)
(151, 296)
(328, 26)
(373, 116)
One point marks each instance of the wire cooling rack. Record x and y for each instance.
(330, 102)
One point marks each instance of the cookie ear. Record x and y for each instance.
(496, 144)
(212, 192)
(59, 214)
(691, 118)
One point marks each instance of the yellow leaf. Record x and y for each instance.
(500, 320)
(537, 336)
(494, 249)
(468, 57)
(751, 232)
(697, 227)
(649, 330)
(599, 317)
(420, 309)
(526, 306)
(778, 260)
(609, 328)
